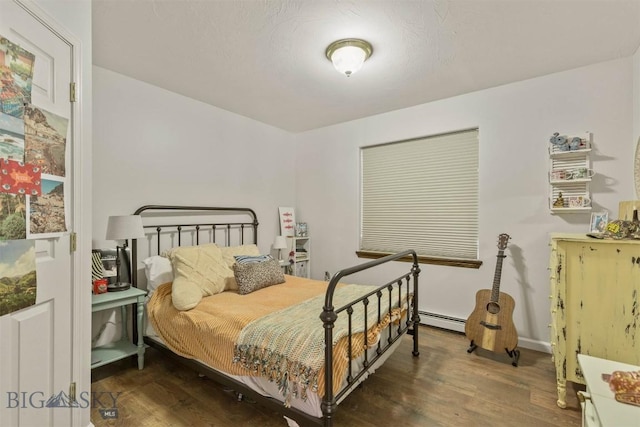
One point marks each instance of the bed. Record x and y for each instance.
(363, 324)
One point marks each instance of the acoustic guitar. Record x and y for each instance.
(490, 325)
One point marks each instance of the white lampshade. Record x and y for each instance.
(348, 55)
(280, 242)
(123, 227)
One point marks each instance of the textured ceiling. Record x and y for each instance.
(265, 59)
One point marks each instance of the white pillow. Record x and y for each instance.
(158, 271)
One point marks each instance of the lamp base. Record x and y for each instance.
(120, 286)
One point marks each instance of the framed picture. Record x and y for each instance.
(599, 222)
(301, 229)
(287, 221)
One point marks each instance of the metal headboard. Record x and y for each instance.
(194, 226)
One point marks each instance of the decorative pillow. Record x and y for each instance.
(229, 252)
(158, 270)
(248, 259)
(167, 252)
(257, 275)
(199, 271)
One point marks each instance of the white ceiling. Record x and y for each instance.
(265, 59)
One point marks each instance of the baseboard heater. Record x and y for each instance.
(441, 321)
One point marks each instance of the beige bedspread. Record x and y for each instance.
(210, 331)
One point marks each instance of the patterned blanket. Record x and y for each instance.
(287, 346)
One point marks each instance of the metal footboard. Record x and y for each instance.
(330, 314)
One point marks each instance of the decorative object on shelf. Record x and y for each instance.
(575, 143)
(582, 173)
(559, 141)
(559, 202)
(578, 201)
(598, 222)
(123, 227)
(287, 221)
(348, 55)
(558, 175)
(280, 243)
(301, 229)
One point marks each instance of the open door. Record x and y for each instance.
(36, 342)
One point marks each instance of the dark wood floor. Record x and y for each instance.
(445, 386)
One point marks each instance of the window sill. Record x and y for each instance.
(451, 262)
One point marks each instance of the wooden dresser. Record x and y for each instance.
(595, 303)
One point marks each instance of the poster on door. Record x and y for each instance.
(17, 275)
(16, 75)
(46, 213)
(45, 140)
(13, 218)
(11, 138)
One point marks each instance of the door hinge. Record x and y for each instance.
(72, 392)
(73, 240)
(72, 92)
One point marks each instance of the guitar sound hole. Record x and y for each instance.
(493, 308)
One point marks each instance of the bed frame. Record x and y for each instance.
(193, 228)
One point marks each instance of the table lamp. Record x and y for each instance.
(280, 243)
(123, 227)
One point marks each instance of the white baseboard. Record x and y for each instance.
(457, 325)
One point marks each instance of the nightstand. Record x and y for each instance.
(599, 406)
(123, 348)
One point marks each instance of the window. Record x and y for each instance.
(422, 194)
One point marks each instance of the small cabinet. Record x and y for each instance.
(300, 256)
(570, 173)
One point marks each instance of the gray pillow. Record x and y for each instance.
(257, 275)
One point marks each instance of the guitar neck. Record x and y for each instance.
(495, 289)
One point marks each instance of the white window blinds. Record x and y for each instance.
(422, 194)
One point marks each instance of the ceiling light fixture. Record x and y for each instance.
(348, 55)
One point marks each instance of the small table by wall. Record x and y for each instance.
(123, 348)
(599, 406)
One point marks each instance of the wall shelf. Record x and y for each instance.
(564, 165)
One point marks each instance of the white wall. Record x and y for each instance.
(515, 123)
(152, 146)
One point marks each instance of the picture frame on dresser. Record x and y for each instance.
(598, 222)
